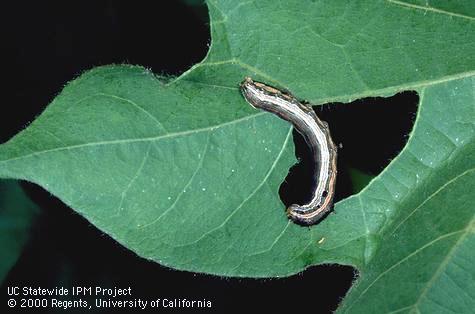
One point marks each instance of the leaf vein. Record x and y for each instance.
(134, 178)
(431, 196)
(136, 140)
(159, 124)
(234, 211)
(430, 9)
(405, 259)
(274, 242)
(177, 199)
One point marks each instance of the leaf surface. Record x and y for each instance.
(185, 173)
(425, 262)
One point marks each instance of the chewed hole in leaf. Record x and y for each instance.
(369, 133)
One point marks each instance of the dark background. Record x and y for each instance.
(48, 44)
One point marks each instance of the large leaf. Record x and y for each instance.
(185, 173)
(425, 262)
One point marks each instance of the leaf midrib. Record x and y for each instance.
(137, 139)
(430, 9)
(378, 92)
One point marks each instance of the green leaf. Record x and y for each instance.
(16, 216)
(425, 262)
(185, 173)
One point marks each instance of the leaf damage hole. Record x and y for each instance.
(369, 133)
